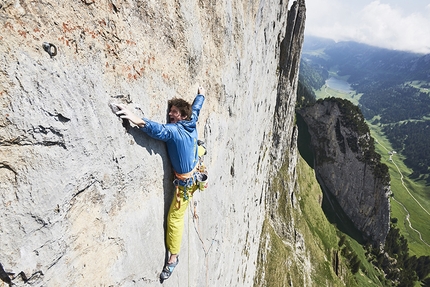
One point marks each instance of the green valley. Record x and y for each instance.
(409, 204)
(392, 89)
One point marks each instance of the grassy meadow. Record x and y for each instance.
(281, 266)
(325, 236)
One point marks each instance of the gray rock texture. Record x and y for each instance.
(83, 201)
(342, 169)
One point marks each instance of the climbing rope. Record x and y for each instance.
(197, 229)
(195, 217)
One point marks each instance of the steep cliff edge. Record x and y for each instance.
(83, 201)
(347, 166)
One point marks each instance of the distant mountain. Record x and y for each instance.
(395, 89)
(367, 64)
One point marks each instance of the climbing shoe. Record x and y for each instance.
(168, 269)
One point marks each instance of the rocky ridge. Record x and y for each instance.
(346, 168)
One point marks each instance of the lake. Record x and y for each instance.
(338, 84)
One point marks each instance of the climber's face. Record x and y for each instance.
(175, 115)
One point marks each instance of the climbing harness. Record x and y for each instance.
(184, 188)
(186, 184)
(50, 49)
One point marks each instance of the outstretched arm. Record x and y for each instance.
(198, 103)
(125, 113)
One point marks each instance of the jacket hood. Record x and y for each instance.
(189, 126)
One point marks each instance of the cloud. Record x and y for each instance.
(391, 28)
(375, 24)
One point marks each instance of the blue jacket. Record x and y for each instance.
(180, 138)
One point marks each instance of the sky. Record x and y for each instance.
(393, 24)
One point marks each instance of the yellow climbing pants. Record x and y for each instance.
(175, 220)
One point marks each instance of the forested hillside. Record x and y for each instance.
(310, 76)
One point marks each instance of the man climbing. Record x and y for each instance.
(180, 135)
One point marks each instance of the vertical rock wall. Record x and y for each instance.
(83, 201)
(283, 252)
(343, 169)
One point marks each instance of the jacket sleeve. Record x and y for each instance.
(157, 131)
(197, 106)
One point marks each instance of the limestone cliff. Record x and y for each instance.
(84, 201)
(347, 167)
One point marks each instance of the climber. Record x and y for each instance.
(180, 135)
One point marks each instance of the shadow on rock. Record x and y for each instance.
(157, 147)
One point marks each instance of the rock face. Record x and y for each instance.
(83, 201)
(282, 188)
(346, 168)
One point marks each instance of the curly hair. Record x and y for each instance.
(183, 106)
